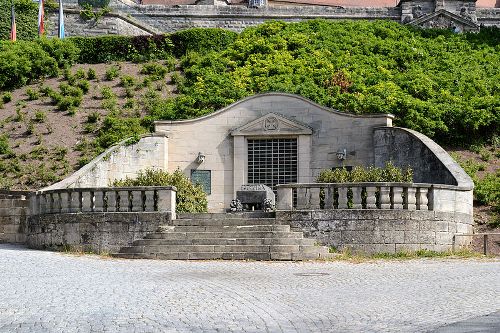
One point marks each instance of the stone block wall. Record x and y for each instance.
(431, 163)
(13, 213)
(118, 162)
(94, 232)
(383, 231)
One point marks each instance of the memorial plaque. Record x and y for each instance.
(204, 178)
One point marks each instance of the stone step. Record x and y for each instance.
(307, 249)
(228, 222)
(224, 255)
(220, 234)
(223, 228)
(244, 215)
(226, 241)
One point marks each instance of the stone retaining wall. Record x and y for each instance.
(95, 232)
(387, 231)
(13, 213)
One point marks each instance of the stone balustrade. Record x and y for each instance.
(104, 199)
(316, 196)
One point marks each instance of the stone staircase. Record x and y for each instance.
(240, 236)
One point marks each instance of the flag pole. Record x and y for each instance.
(41, 17)
(61, 20)
(13, 28)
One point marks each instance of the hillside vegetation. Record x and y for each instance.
(442, 84)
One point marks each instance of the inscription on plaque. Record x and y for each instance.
(204, 178)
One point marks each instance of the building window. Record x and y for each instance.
(272, 161)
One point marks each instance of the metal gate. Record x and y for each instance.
(272, 161)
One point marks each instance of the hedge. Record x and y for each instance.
(26, 19)
(202, 40)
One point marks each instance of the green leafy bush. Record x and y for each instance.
(116, 129)
(23, 62)
(190, 197)
(154, 70)
(104, 49)
(112, 73)
(6, 97)
(4, 144)
(202, 40)
(358, 174)
(32, 94)
(91, 74)
(94, 3)
(127, 81)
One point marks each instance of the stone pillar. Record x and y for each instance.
(315, 202)
(65, 197)
(74, 202)
(356, 198)
(98, 201)
(285, 198)
(371, 200)
(342, 197)
(410, 198)
(166, 202)
(422, 201)
(397, 197)
(149, 205)
(87, 201)
(329, 197)
(124, 201)
(111, 201)
(304, 143)
(240, 163)
(385, 198)
(137, 201)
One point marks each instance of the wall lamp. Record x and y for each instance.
(200, 158)
(341, 154)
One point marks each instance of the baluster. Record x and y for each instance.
(74, 202)
(329, 197)
(124, 201)
(410, 199)
(422, 201)
(371, 199)
(65, 197)
(342, 197)
(314, 194)
(136, 201)
(397, 197)
(385, 198)
(111, 201)
(356, 197)
(150, 201)
(302, 198)
(86, 201)
(43, 204)
(56, 203)
(98, 201)
(48, 203)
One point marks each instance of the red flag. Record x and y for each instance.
(13, 29)
(41, 15)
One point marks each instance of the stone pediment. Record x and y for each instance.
(272, 124)
(444, 19)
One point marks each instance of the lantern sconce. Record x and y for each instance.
(341, 154)
(200, 158)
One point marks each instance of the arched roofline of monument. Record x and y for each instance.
(303, 99)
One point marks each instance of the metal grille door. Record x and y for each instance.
(272, 161)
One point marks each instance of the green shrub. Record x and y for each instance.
(112, 73)
(487, 189)
(103, 49)
(358, 174)
(115, 129)
(69, 103)
(4, 144)
(154, 70)
(80, 74)
(202, 40)
(190, 197)
(40, 116)
(91, 74)
(93, 117)
(46, 91)
(84, 85)
(67, 90)
(107, 92)
(23, 62)
(6, 97)
(32, 94)
(94, 3)
(127, 81)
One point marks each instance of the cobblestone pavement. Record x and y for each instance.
(53, 292)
